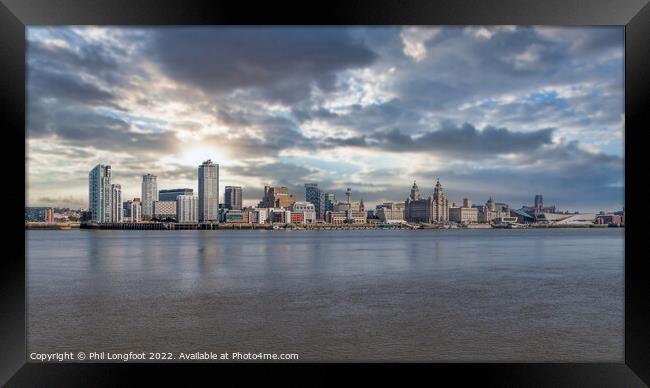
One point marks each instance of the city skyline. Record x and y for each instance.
(506, 112)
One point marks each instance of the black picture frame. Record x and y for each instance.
(15, 15)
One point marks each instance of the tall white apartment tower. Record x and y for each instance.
(208, 192)
(99, 193)
(149, 194)
(116, 203)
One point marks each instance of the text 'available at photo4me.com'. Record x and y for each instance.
(160, 356)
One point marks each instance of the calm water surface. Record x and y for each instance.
(426, 295)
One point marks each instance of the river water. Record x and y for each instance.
(388, 295)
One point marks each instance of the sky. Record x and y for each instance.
(500, 111)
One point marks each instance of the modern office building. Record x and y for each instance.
(233, 197)
(116, 203)
(330, 201)
(163, 210)
(187, 208)
(208, 192)
(315, 196)
(149, 194)
(172, 194)
(126, 211)
(99, 193)
(39, 214)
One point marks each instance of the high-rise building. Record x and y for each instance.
(315, 196)
(149, 194)
(233, 198)
(99, 193)
(208, 192)
(467, 202)
(136, 210)
(330, 201)
(172, 194)
(126, 210)
(187, 208)
(275, 197)
(116, 203)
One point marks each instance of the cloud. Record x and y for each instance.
(451, 139)
(414, 39)
(369, 108)
(282, 63)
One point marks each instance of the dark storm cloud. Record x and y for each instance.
(66, 88)
(453, 139)
(285, 62)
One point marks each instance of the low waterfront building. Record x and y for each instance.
(238, 217)
(346, 217)
(465, 215)
(39, 214)
(490, 211)
(187, 208)
(390, 212)
(522, 216)
(261, 215)
(297, 218)
(505, 220)
(578, 219)
(164, 209)
(279, 215)
(307, 209)
(610, 219)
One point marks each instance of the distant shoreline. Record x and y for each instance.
(224, 226)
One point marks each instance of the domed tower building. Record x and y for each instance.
(417, 209)
(415, 192)
(440, 205)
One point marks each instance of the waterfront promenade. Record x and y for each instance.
(277, 226)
